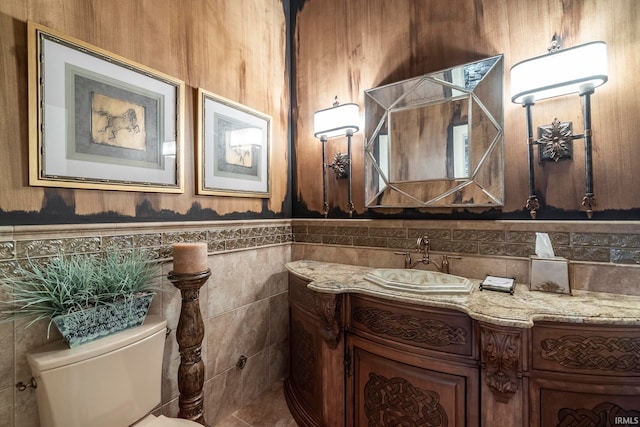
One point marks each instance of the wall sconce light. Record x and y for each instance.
(579, 69)
(339, 120)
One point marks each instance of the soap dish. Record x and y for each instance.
(499, 284)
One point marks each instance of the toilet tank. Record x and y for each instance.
(110, 382)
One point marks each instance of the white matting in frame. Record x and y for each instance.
(233, 152)
(100, 121)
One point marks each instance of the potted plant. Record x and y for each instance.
(85, 296)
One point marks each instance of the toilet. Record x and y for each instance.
(114, 381)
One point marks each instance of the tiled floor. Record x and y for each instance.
(269, 410)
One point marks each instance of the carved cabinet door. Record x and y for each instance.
(563, 400)
(305, 380)
(389, 387)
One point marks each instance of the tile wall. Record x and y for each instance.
(604, 256)
(245, 302)
(244, 306)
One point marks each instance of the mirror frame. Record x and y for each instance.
(484, 187)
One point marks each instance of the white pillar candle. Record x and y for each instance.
(189, 257)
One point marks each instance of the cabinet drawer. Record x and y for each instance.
(416, 326)
(587, 349)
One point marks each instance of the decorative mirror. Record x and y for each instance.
(437, 140)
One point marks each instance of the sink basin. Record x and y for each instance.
(419, 281)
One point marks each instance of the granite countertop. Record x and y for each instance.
(521, 309)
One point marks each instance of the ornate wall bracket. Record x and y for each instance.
(340, 165)
(189, 334)
(556, 141)
(329, 308)
(501, 361)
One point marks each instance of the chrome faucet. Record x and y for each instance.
(423, 246)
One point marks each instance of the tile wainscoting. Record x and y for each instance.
(244, 306)
(245, 301)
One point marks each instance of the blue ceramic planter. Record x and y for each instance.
(86, 325)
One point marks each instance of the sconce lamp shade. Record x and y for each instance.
(336, 121)
(559, 73)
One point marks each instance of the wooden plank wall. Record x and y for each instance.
(343, 47)
(236, 49)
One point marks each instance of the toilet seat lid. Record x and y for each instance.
(163, 421)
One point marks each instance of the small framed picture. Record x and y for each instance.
(233, 148)
(100, 121)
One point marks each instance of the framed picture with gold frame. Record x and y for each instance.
(100, 121)
(233, 148)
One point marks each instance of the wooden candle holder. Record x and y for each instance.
(189, 335)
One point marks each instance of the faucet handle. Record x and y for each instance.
(406, 255)
(407, 258)
(445, 262)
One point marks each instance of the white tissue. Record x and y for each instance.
(543, 246)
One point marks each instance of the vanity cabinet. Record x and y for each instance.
(364, 360)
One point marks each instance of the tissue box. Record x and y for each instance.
(550, 275)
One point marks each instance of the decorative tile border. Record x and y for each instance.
(607, 242)
(498, 239)
(37, 244)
